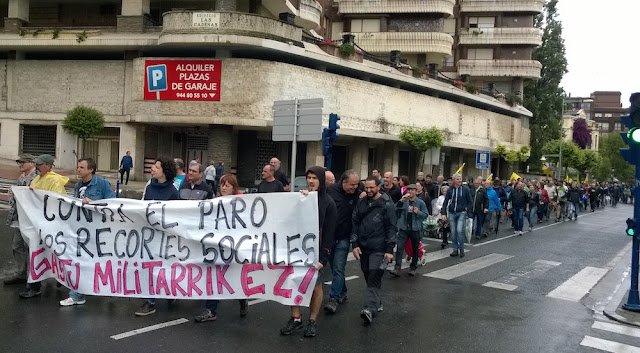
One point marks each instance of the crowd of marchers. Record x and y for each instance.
(379, 219)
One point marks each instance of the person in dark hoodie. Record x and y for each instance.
(519, 204)
(345, 194)
(373, 239)
(160, 188)
(327, 215)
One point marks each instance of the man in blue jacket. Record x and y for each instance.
(458, 198)
(89, 188)
(495, 206)
(412, 212)
(125, 167)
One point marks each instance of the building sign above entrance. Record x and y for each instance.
(206, 19)
(193, 80)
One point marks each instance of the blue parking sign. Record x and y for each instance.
(483, 159)
(157, 78)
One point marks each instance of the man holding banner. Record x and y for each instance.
(327, 214)
(89, 188)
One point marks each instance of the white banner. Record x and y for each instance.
(233, 247)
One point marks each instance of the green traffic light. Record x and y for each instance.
(631, 232)
(634, 135)
(631, 227)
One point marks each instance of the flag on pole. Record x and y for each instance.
(566, 177)
(460, 169)
(514, 176)
(490, 177)
(586, 179)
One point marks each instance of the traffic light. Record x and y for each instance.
(630, 227)
(327, 143)
(330, 134)
(632, 137)
(333, 123)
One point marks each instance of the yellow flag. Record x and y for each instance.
(460, 169)
(490, 177)
(586, 179)
(514, 176)
(566, 177)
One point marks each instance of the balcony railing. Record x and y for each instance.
(396, 6)
(308, 12)
(406, 42)
(532, 6)
(492, 68)
(311, 11)
(521, 36)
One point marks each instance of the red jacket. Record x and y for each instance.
(545, 196)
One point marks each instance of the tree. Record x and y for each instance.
(513, 156)
(544, 97)
(572, 155)
(422, 139)
(613, 165)
(83, 122)
(581, 133)
(591, 162)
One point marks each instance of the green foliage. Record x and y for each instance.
(501, 149)
(346, 50)
(524, 153)
(591, 162)
(417, 72)
(610, 145)
(422, 139)
(512, 156)
(471, 88)
(544, 96)
(83, 122)
(513, 99)
(572, 155)
(81, 37)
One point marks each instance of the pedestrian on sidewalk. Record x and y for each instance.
(228, 186)
(211, 176)
(373, 239)
(327, 215)
(126, 163)
(18, 247)
(345, 194)
(459, 201)
(412, 212)
(519, 205)
(48, 181)
(89, 188)
(495, 207)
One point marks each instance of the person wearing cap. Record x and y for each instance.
(412, 212)
(18, 246)
(89, 188)
(48, 181)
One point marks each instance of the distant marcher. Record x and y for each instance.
(329, 177)
(279, 174)
(180, 174)
(125, 166)
(457, 204)
(269, 182)
(211, 176)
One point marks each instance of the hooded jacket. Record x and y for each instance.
(327, 215)
(374, 225)
(51, 182)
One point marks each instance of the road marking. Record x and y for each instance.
(440, 254)
(608, 346)
(521, 275)
(619, 256)
(346, 279)
(257, 301)
(615, 328)
(468, 267)
(149, 328)
(580, 284)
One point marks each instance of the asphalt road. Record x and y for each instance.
(550, 285)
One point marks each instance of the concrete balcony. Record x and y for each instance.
(406, 42)
(185, 26)
(504, 68)
(308, 12)
(396, 6)
(511, 36)
(529, 6)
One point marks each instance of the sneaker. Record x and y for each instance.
(412, 272)
(530, 228)
(70, 301)
(343, 297)
(520, 233)
(244, 307)
(310, 329)
(331, 306)
(395, 272)
(146, 309)
(291, 325)
(380, 308)
(366, 315)
(29, 293)
(207, 315)
(515, 232)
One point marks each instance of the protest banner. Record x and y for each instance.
(232, 247)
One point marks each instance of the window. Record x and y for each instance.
(482, 22)
(450, 26)
(605, 126)
(607, 115)
(448, 61)
(336, 29)
(480, 54)
(360, 25)
(39, 139)
(598, 115)
(586, 106)
(617, 126)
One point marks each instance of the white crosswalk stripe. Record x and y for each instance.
(580, 284)
(608, 346)
(616, 328)
(518, 277)
(613, 337)
(468, 266)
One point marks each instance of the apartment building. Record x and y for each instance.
(225, 62)
(606, 110)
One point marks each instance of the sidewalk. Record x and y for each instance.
(614, 309)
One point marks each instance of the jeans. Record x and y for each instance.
(573, 209)
(518, 218)
(212, 304)
(76, 296)
(488, 222)
(456, 222)
(403, 237)
(370, 264)
(478, 221)
(122, 172)
(542, 210)
(531, 216)
(338, 264)
(20, 254)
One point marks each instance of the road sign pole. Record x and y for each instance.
(294, 146)
(633, 301)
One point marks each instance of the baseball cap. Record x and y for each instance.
(25, 157)
(44, 159)
(412, 186)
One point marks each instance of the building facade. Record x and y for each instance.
(57, 55)
(606, 110)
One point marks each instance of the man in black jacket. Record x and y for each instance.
(345, 194)
(327, 224)
(388, 188)
(373, 239)
(520, 204)
(480, 205)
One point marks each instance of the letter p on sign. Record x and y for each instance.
(157, 78)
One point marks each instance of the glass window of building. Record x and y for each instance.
(482, 22)
(480, 54)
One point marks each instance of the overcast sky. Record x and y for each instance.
(602, 40)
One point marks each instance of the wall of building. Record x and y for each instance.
(516, 21)
(415, 23)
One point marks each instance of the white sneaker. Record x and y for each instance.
(70, 301)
